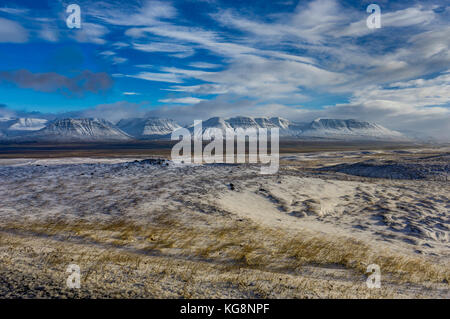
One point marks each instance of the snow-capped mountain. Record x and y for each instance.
(19, 126)
(78, 130)
(97, 130)
(240, 122)
(280, 122)
(349, 129)
(257, 122)
(210, 126)
(151, 127)
(333, 129)
(28, 124)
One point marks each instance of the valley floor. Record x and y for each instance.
(152, 229)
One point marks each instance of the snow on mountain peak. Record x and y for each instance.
(147, 127)
(87, 129)
(349, 129)
(152, 127)
(28, 124)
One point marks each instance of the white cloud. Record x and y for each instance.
(15, 11)
(317, 29)
(284, 59)
(181, 51)
(107, 53)
(204, 65)
(420, 105)
(90, 33)
(13, 32)
(183, 100)
(112, 56)
(119, 60)
(158, 77)
(149, 14)
(48, 33)
(260, 78)
(413, 16)
(209, 40)
(419, 96)
(120, 45)
(115, 111)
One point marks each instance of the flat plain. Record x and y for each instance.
(143, 227)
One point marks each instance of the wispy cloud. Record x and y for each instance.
(49, 34)
(90, 33)
(148, 14)
(413, 16)
(114, 111)
(178, 49)
(204, 65)
(157, 77)
(13, 32)
(182, 100)
(221, 60)
(14, 11)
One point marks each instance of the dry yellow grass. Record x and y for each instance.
(233, 245)
(144, 231)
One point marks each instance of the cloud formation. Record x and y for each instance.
(12, 32)
(84, 82)
(297, 60)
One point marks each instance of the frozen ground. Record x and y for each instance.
(153, 229)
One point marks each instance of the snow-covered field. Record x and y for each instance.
(154, 229)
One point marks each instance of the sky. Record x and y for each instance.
(189, 60)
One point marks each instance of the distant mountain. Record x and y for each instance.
(349, 130)
(240, 122)
(151, 127)
(280, 122)
(24, 125)
(98, 130)
(78, 130)
(210, 126)
(20, 126)
(333, 129)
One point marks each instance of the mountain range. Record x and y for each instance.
(331, 129)
(21, 125)
(99, 130)
(67, 130)
(145, 128)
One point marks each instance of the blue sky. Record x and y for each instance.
(196, 59)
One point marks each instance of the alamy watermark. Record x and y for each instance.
(74, 18)
(74, 279)
(374, 279)
(256, 138)
(374, 19)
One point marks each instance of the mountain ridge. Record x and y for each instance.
(149, 127)
(348, 129)
(77, 130)
(95, 129)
